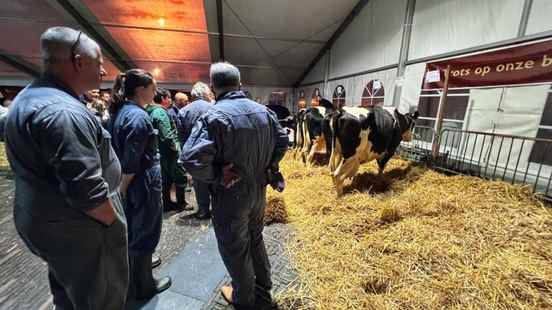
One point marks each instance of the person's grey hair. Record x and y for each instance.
(56, 44)
(224, 76)
(201, 90)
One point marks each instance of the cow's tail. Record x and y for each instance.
(334, 127)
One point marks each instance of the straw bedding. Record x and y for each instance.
(415, 239)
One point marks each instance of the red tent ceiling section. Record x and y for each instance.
(172, 56)
(22, 22)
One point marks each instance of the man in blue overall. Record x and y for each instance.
(67, 207)
(187, 117)
(234, 147)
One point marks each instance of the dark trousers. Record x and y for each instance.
(203, 196)
(238, 221)
(87, 262)
(142, 285)
(168, 181)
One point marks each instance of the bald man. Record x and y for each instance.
(67, 206)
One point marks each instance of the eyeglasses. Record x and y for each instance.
(74, 47)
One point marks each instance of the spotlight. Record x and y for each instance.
(161, 22)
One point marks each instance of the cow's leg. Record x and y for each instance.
(335, 157)
(383, 161)
(310, 156)
(300, 140)
(347, 169)
(305, 152)
(306, 143)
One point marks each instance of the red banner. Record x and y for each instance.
(523, 64)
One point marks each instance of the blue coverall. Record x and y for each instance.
(64, 166)
(187, 117)
(135, 142)
(238, 131)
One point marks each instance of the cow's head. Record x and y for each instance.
(406, 124)
(327, 104)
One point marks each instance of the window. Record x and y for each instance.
(453, 115)
(338, 98)
(541, 150)
(373, 94)
(315, 98)
(455, 110)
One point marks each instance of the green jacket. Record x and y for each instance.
(169, 146)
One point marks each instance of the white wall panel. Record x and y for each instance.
(372, 40)
(412, 86)
(442, 26)
(513, 111)
(263, 93)
(540, 18)
(317, 73)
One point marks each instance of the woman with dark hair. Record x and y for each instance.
(135, 142)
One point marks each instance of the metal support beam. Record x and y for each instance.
(327, 71)
(405, 47)
(407, 33)
(220, 30)
(522, 30)
(348, 20)
(87, 21)
(20, 64)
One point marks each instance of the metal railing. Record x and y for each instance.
(493, 156)
(419, 149)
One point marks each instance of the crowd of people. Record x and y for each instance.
(94, 170)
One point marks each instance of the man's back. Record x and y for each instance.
(188, 116)
(244, 133)
(250, 140)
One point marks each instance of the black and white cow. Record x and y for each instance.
(362, 135)
(313, 131)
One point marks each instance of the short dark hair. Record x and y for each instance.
(160, 94)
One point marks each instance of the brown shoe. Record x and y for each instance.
(226, 292)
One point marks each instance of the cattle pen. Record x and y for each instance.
(493, 156)
(415, 238)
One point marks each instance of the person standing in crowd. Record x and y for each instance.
(235, 146)
(135, 142)
(187, 117)
(67, 207)
(175, 106)
(169, 148)
(180, 100)
(105, 96)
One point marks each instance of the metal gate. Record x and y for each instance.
(492, 156)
